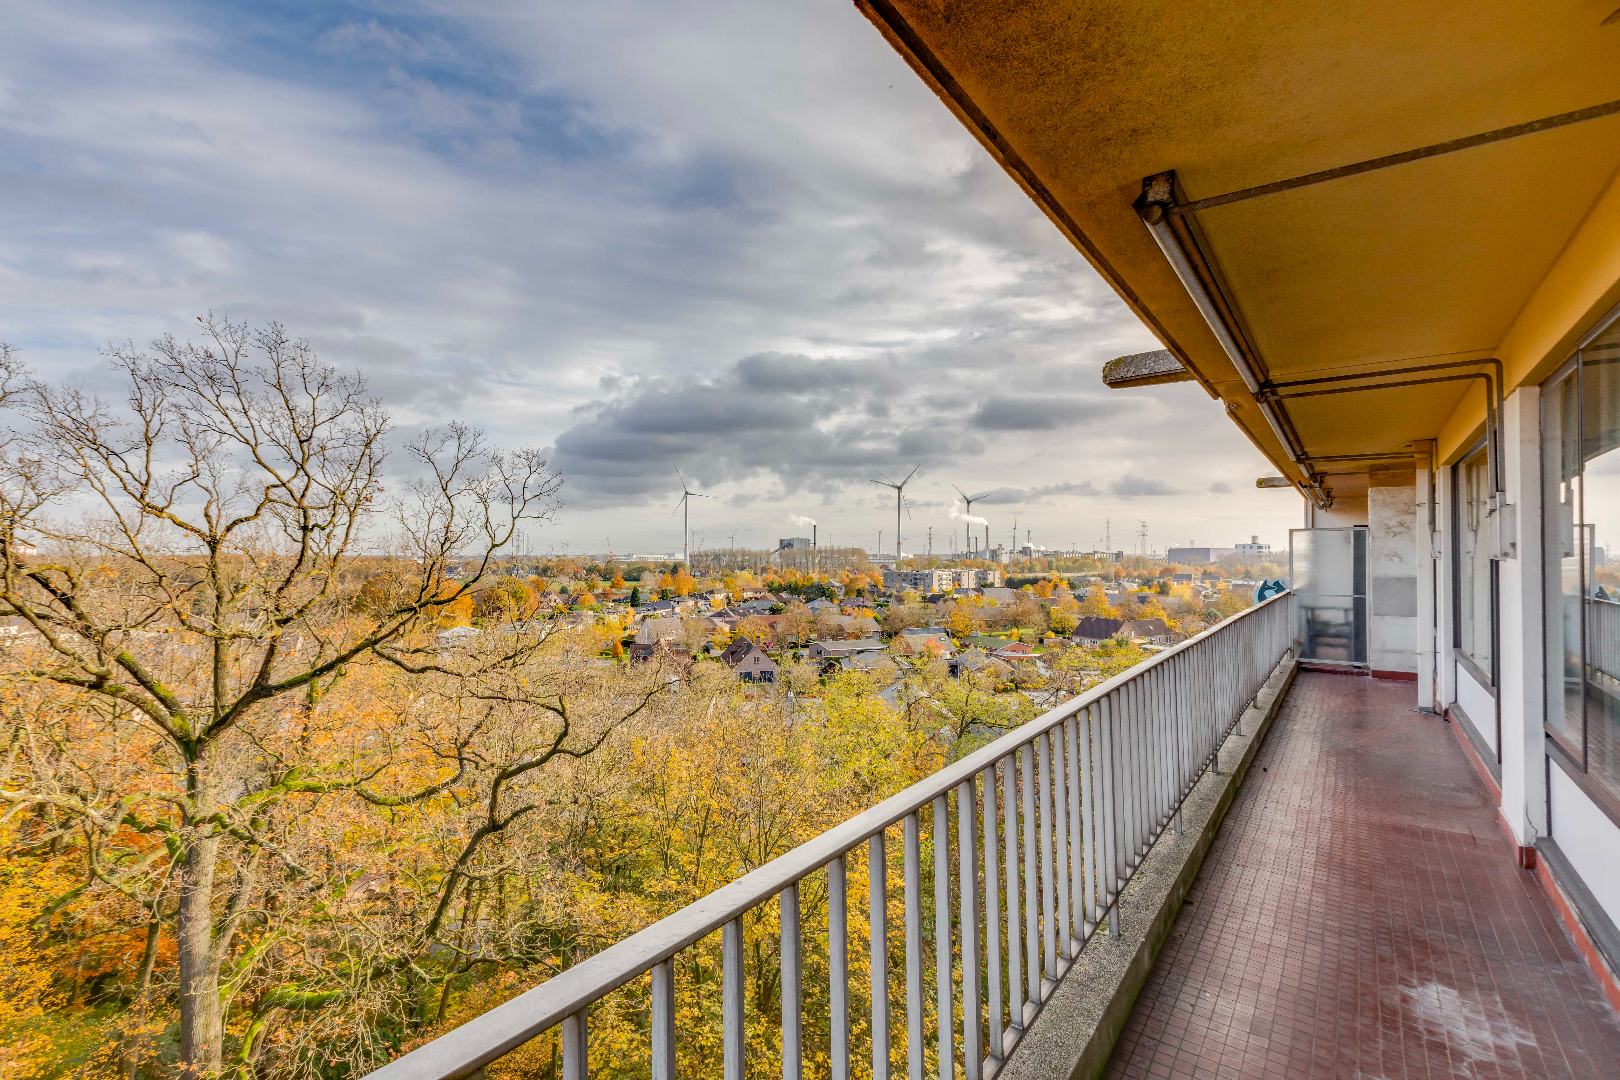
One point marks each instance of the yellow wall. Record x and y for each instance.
(1583, 284)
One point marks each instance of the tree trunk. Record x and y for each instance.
(133, 1039)
(201, 1025)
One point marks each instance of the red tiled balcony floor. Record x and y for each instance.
(1360, 915)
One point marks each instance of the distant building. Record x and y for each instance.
(838, 650)
(1254, 549)
(792, 543)
(928, 581)
(652, 631)
(1196, 556)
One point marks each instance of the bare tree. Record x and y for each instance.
(194, 570)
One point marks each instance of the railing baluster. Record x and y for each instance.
(1089, 864)
(1164, 752)
(792, 988)
(1076, 863)
(992, 911)
(877, 919)
(968, 900)
(1138, 771)
(942, 938)
(1048, 901)
(838, 966)
(663, 1019)
(1032, 892)
(914, 974)
(1060, 841)
(1113, 860)
(1182, 696)
(1126, 786)
(1009, 825)
(575, 1047)
(731, 998)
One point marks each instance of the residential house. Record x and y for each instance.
(750, 662)
(827, 653)
(858, 625)
(1094, 630)
(665, 648)
(872, 663)
(975, 661)
(926, 639)
(652, 631)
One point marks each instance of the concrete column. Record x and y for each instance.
(1392, 575)
(1427, 586)
(1442, 572)
(1522, 660)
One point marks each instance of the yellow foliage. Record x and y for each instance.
(961, 622)
(459, 612)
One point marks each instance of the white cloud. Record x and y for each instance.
(743, 235)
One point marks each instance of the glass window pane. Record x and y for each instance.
(1560, 467)
(1600, 528)
(1472, 477)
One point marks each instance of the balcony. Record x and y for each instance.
(1358, 912)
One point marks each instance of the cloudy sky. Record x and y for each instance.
(737, 238)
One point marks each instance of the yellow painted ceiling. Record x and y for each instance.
(1082, 99)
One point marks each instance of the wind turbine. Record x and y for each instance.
(967, 526)
(686, 517)
(899, 504)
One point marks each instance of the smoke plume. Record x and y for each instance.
(971, 519)
(801, 520)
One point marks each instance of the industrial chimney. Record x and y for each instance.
(813, 529)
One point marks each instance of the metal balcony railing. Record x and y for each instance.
(1052, 819)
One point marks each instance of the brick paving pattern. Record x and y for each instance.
(1360, 915)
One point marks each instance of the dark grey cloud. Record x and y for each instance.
(788, 421)
(1130, 485)
(1011, 495)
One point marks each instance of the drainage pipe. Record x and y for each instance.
(1158, 194)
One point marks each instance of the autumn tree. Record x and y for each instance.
(192, 608)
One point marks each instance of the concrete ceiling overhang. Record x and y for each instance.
(1428, 261)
